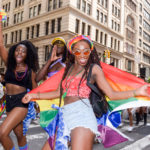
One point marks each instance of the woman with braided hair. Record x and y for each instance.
(22, 63)
(78, 115)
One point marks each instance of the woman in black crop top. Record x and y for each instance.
(22, 63)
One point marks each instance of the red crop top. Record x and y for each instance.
(72, 87)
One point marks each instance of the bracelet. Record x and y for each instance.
(134, 93)
(38, 95)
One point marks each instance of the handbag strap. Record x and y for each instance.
(94, 88)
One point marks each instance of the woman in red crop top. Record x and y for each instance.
(78, 114)
(22, 63)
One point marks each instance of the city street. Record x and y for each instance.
(36, 137)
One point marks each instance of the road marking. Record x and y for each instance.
(138, 145)
(33, 137)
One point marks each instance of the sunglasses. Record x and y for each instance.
(86, 52)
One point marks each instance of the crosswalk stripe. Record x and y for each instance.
(138, 145)
(33, 137)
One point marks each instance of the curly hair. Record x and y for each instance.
(31, 59)
(93, 58)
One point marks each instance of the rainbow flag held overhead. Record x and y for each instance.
(110, 135)
(3, 15)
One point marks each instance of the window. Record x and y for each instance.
(59, 3)
(83, 5)
(115, 44)
(88, 9)
(54, 4)
(53, 26)
(89, 30)
(12, 37)
(59, 24)
(140, 7)
(22, 16)
(77, 26)
(97, 14)
(105, 42)
(105, 19)
(118, 45)
(140, 42)
(101, 38)
(32, 32)
(112, 24)
(140, 31)
(130, 21)
(46, 28)
(34, 11)
(49, 5)
(140, 19)
(5, 39)
(16, 37)
(39, 9)
(112, 42)
(96, 35)
(129, 65)
(20, 35)
(30, 12)
(83, 28)
(78, 4)
(14, 18)
(101, 17)
(28, 31)
(37, 30)
(16, 3)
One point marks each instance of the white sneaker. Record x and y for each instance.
(130, 128)
(121, 124)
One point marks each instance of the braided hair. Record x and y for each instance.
(93, 58)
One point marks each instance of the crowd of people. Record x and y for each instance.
(76, 57)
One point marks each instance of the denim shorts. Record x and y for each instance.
(13, 101)
(80, 114)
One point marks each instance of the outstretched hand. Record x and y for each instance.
(54, 54)
(143, 90)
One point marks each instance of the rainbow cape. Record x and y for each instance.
(110, 135)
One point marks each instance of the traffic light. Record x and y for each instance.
(109, 53)
(105, 53)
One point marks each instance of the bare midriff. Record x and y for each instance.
(13, 89)
(71, 99)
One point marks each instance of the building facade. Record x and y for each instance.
(112, 24)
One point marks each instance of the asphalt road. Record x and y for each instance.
(36, 138)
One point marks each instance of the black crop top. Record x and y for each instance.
(25, 82)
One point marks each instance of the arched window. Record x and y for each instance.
(130, 21)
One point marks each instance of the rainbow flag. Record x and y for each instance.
(3, 15)
(110, 135)
(2, 108)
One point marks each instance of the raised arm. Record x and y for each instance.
(102, 83)
(3, 51)
(44, 71)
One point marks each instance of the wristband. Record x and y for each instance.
(134, 93)
(38, 95)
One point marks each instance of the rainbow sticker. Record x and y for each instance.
(3, 15)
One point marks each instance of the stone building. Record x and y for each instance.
(113, 25)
